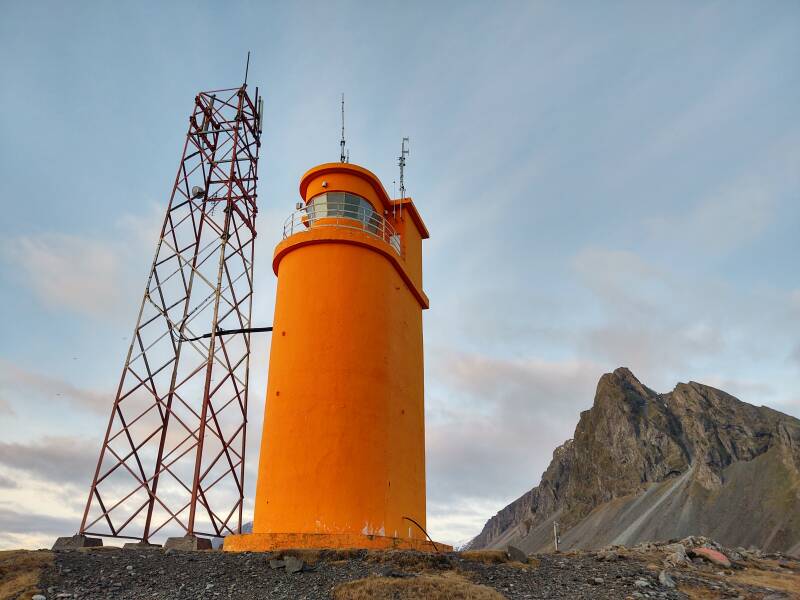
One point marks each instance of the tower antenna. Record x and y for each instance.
(246, 68)
(343, 156)
(401, 161)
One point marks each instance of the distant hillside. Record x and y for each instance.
(646, 466)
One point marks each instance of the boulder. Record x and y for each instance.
(713, 556)
(293, 565)
(516, 555)
(676, 555)
(665, 580)
(608, 555)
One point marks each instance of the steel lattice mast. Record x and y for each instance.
(172, 461)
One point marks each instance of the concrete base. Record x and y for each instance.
(267, 542)
(141, 546)
(187, 542)
(73, 542)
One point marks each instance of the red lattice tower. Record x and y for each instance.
(172, 461)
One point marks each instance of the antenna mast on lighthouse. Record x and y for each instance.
(401, 161)
(343, 156)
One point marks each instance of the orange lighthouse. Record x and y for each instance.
(342, 459)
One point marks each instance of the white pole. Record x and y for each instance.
(555, 534)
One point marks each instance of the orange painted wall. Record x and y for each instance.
(343, 443)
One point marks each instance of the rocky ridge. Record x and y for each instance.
(649, 466)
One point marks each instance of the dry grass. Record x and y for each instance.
(699, 593)
(20, 571)
(497, 557)
(411, 561)
(489, 557)
(447, 586)
(785, 582)
(760, 577)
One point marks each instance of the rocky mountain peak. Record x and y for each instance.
(695, 457)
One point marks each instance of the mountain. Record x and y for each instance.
(646, 466)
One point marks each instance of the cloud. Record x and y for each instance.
(647, 317)
(795, 356)
(492, 429)
(5, 407)
(22, 383)
(53, 459)
(83, 274)
(738, 211)
(458, 521)
(622, 279)
(15, 522)
(7, 483)
(32, 529)
(718, 224)
(66, 271)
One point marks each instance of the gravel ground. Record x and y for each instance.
(155, 574)
(128, 574)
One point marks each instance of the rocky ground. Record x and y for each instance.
(694, 568)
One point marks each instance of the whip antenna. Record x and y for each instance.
(343, 156)
(401, 161)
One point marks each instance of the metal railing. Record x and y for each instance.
(344, 215)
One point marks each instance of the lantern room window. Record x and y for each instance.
(345, 205)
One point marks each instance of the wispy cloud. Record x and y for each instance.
(7, 482)
(738, 211)
(722, 222)
(18, 382)
(492, 429)
(31, 530)
(53, 459)
(90, 275)
(69, 272)
(5, 407)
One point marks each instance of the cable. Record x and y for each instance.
(423, 531)
(226, 332)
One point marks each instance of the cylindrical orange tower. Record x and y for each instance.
(343, 446)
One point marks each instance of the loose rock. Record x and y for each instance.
(712, 556)
(293, 565)
(665, 580)
(516, 554)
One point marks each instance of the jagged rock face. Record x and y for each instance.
(644, 465)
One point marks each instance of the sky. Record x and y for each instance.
(606, 184)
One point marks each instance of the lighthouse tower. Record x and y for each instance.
(342, 459)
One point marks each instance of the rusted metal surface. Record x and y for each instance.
(172, 460)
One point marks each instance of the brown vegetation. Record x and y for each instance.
(497, 557)
(699, 592)
(312, 556)
(783, 581)
(411, 561)
(20, 571)
(489, 557)
(447, 586)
